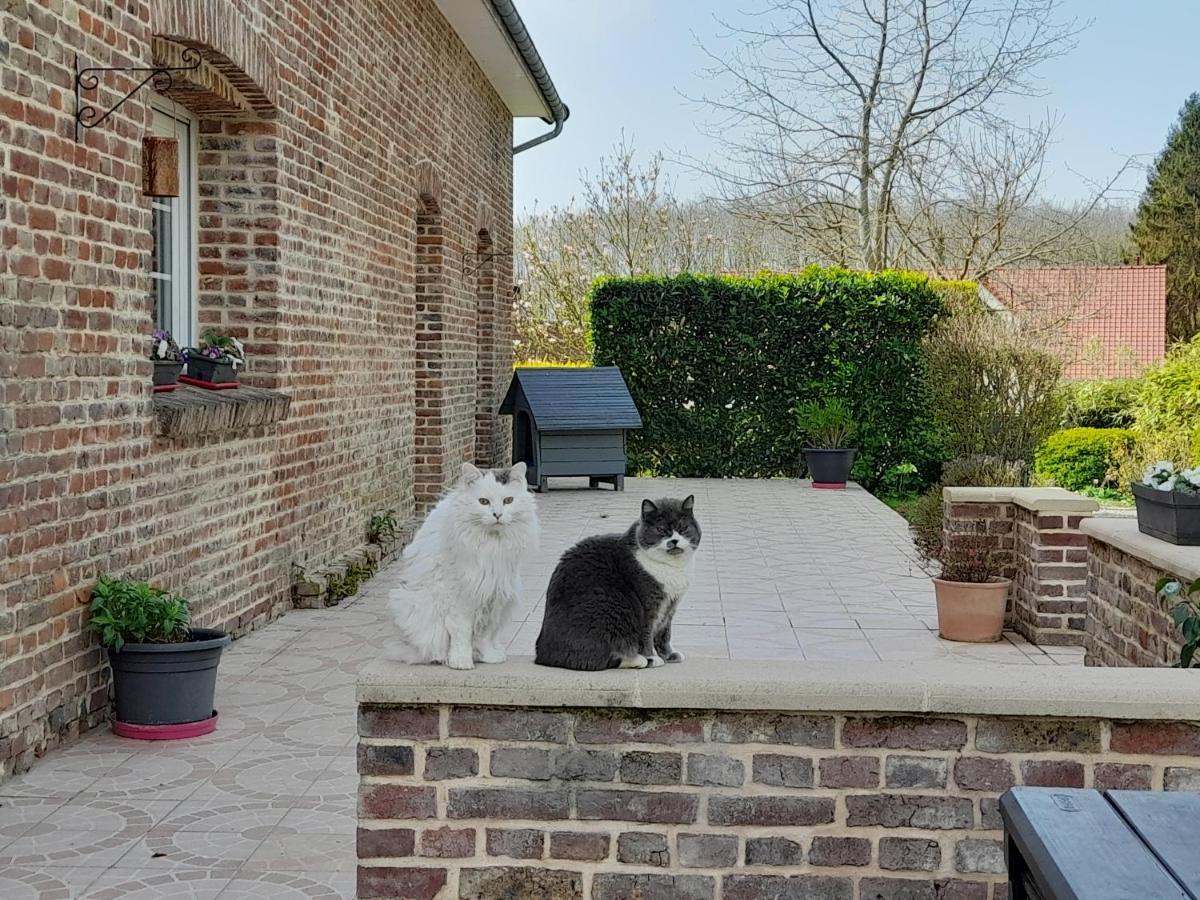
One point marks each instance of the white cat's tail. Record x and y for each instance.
(421, 635)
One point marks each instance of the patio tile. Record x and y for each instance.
(24, 883)
(152, 884)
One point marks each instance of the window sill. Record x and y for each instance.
(195, 412)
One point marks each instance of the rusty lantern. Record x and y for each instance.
(160, 167)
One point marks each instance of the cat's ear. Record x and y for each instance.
(648, 509)
(517, 472)
(689, 502)
(470, 474)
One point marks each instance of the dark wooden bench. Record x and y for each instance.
(1074, 844)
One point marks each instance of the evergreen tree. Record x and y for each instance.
(1167, 227)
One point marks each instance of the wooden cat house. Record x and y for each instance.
(571, 422)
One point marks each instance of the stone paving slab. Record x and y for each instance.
(265, 807)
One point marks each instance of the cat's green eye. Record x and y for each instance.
(508, 500)
(485, 501)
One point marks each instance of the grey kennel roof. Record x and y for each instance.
(574, 399)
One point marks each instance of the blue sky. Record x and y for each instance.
(627, 63)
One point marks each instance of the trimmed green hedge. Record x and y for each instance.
(1078, 458)
(717, 364)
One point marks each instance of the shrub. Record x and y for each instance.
(133, 612)
(548, 364)
(1100, 404)
(992, 391)
(718, 364)
(1075, 458)
(1168, 399)
(985, 471)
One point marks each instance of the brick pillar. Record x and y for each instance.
(1036, 532)
(486, 400)
(430, 401)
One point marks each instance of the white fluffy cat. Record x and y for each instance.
(460, 574)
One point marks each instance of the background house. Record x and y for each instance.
(1106, 321)
(346, 211)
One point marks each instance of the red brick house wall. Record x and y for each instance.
(326, 132)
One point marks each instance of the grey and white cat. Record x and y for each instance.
(612, 597)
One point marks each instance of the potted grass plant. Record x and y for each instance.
(971, 592)
(167, 359)
(1168, 503)
(828, 430)
(214, 362)
(164, 670)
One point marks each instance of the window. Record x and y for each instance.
(173, 265)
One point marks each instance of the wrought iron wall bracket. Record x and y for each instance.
(480, 259)
(88, 79)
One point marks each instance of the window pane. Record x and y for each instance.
(161, 266)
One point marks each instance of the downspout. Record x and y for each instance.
(511, 19)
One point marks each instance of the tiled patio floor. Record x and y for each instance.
(264, 808)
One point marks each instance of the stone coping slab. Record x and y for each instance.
(970, 688)
(1123, 534)
(1036, 499)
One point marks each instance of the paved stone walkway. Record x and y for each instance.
(265, 807)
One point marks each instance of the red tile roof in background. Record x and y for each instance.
(1108, 321)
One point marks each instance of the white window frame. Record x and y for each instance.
(171, 120)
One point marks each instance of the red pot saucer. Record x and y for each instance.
(166, 732)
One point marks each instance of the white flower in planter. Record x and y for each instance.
(1160, 475)
(1189, 480)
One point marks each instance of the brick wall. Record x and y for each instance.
(473, 802)
(1036, 535)
(324, 129)
(1127, 624)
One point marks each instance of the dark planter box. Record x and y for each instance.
(166, 372)
(167, 684)
(1170, 516)
(214, 372)
(830, 466)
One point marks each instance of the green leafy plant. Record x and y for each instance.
(134, 612)
(1182, 600)
(383, 526)
(717, 364)
(341, 587)
(826, 425)
(1076, 458)
(218, 348)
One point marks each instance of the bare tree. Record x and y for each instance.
(843, 120)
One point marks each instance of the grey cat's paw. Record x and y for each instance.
(674, 656)
(654, 662)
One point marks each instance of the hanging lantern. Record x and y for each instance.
(160, 167)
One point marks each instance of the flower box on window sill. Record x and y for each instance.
(210, 373)
(166, 374)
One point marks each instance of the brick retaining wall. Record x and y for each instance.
(1127, 625)
(466, 802)
(603, 801)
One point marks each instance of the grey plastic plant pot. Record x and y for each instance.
(166, 371)
(213, 372)
(1170, 516)
(830, 468)
(167, 684)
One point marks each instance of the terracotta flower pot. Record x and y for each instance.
(971, 612)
